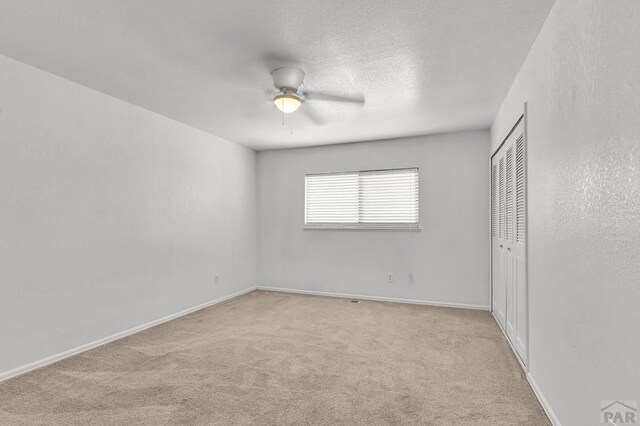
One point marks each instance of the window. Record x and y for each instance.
(371, 199)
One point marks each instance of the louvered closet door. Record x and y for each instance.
(508, 234)
(520, 298)
(499, 302)
(508, 241)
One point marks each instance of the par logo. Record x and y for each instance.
(619, 412)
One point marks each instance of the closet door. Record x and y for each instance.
(508, 242)
(497, 239)
(508, 239)
(520, 338)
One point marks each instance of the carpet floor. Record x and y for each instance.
(269, 358)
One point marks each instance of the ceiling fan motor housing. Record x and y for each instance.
(287, 78)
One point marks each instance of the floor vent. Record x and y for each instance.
(350, 301)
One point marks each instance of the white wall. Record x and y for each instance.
(449, 257)
(582, 84)
(110, 216)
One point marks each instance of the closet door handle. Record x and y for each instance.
(500, 245)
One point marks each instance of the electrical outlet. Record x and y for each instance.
(216, 279)
(389, 278)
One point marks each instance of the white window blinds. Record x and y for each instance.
(373, 199)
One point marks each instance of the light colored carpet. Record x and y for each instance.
(282, 359)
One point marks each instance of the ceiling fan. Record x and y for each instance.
(290, 96)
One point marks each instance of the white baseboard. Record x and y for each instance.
(377, 298)
(543, 401)
(82, 348)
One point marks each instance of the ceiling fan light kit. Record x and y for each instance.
(287, 101)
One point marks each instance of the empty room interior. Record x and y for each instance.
(338, 212)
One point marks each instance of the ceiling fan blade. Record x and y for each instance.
(312, 114)
(333, 97)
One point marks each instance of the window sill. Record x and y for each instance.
(358, 228)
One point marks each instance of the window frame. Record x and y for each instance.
(364, 226)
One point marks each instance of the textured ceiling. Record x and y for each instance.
(424, 66)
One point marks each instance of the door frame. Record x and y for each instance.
(522, 117)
